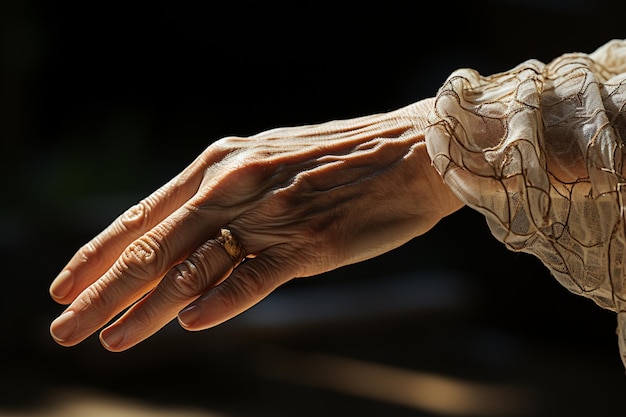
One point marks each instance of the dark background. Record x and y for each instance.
(102, 102)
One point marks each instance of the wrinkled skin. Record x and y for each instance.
(301, 201)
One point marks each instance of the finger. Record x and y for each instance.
(204, 268)
(140, 267)
(249, 283)
(94, 258)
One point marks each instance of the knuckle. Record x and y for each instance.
(138, 216)
(185, 281)
(302, 181)
(141, 258)
(135, 217)
(228, 143)
(231, 295)
(95, 299)
(90, 252)
(254, 283)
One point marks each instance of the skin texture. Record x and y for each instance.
(301, 201)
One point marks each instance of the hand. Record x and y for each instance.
(301, 201)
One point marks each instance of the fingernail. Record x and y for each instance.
(111, 337)
(62, 284)
(63, 326)
(189, 315)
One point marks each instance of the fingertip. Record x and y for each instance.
(62, 285)
(189, 316)
(112, 337)
(63, 328)
(196, 318)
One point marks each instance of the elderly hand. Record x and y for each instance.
(301, 201)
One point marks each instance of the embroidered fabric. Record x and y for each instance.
(539, 150)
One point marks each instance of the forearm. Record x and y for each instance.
(539, 151)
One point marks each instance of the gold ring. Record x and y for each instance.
(231, 245)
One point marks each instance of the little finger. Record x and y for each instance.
(248, 284)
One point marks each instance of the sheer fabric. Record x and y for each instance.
(539, 150)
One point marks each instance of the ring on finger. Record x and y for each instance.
(231, 245)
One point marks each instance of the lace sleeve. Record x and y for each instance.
(539, 150)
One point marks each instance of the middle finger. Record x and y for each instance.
(142, 264)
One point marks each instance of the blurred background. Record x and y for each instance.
(102, 102)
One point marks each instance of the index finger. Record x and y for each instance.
(94, 258)
(138, 270)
